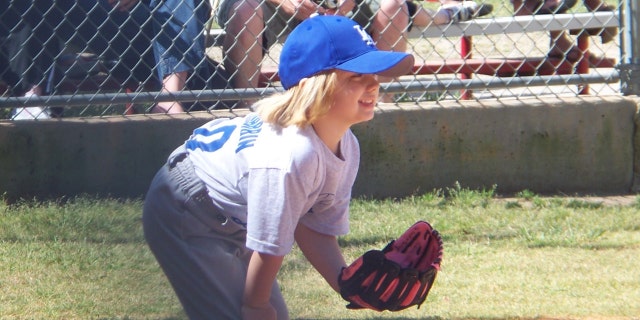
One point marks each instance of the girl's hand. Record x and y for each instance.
(259, 313)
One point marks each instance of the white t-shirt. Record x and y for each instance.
(268, 180)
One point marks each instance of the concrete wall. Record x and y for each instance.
(574, 145)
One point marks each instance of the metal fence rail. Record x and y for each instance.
(89, 59)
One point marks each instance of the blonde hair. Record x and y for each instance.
(302, 104)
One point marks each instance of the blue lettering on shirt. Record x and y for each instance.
(223, 132)
(210, 139)
(249, 132)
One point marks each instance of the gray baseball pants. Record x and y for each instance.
(201, 252)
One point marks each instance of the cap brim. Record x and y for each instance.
(384, 63)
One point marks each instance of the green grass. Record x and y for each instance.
(525, 257)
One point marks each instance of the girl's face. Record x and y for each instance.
(355, 98)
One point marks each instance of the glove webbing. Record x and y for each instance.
(422, 258)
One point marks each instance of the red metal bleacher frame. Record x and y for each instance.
(467, 65)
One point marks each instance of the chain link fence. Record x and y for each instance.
(91, 59)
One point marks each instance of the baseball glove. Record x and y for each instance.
(396, 277)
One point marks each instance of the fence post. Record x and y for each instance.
(630, 48)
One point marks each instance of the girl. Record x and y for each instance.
(229, 204)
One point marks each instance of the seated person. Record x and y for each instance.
(119, 37)
(14, 62)
(133, 36)
(9, 79)
(19, 41)
(561, 45)
(253, 26)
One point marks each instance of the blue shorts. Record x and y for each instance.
(178, 27)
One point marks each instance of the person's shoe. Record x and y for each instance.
(30, 113)
(483, 10)
(466, 10)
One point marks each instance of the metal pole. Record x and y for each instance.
(415, 85)
(630, 48)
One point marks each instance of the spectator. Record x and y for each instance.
(252, 26)
(19, 41)
(121, 37)
(122, 32)
(230, 202)
(561, 45)
(14, 69)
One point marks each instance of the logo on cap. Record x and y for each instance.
(366, 38)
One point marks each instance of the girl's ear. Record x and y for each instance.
(302, 82)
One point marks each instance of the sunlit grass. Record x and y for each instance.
(523, 257)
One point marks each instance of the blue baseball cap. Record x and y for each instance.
(326, 42)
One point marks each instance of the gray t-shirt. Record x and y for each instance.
(269, 179)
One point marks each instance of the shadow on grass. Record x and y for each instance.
(438, 318)
(385, 318)
(362, 241)
(134, 318)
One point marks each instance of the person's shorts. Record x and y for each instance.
(279, 24)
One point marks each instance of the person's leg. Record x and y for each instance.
(390, 25)
(243, 44)
(389, 30)
(606, 34)
(252, 27)
(172, 82)
(32, 41)
(40, 44)
(560, 43)
(179, 45)
(10, 50)
(9, 24)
